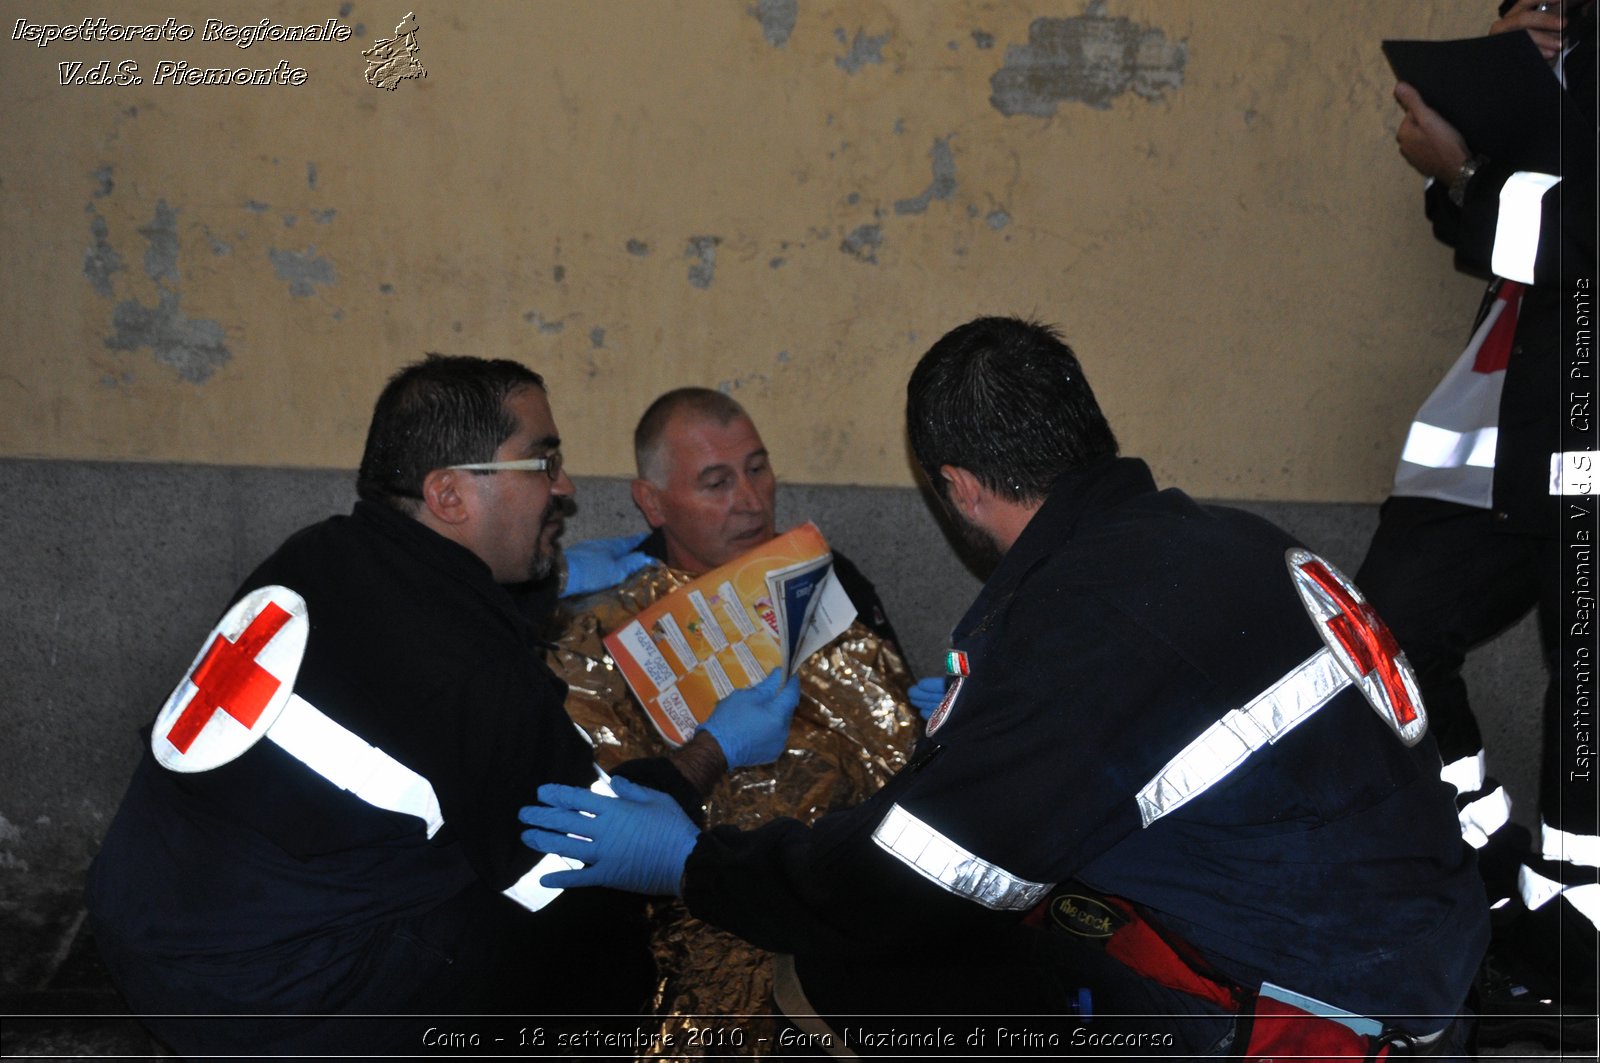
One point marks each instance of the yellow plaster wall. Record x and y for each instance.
(630, 195)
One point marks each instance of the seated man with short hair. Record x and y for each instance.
(707, 490)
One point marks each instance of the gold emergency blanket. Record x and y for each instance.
(852, 730)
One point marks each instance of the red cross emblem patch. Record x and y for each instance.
(237, 686)
(1361, 642)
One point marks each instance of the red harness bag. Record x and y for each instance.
(1268, 1029)
(1275, 1030)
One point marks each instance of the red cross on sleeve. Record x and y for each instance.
(228, 678)
(1366, 639)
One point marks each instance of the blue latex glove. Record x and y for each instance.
(596, 564)
(752, 725)
(925, 694)
(636, 841)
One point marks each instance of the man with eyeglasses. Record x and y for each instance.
(324, 822)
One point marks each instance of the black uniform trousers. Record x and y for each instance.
(1446, 581)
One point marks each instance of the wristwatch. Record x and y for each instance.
(1463, 177)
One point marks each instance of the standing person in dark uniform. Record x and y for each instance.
(324, 820)
(1477, 532)
(1161, 714)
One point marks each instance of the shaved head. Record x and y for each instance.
(693, 405)
(704, 478)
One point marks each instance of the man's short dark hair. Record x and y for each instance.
(1005, 399)
(444, 410)
(701, 403)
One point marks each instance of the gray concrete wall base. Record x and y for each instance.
(115, 572)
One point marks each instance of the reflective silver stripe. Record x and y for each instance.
(1572, 472)
(527, 890)
(1538, 891)
(344, 759)
(1441, 448)
(1450, 449)
(1224, 745)
(1516, 233)
(1484, 816)
(940, 860)
(1466, 774)
(1580, 849)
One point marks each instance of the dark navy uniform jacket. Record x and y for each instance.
(1120, 625)
(1534, 419)
(277, 886)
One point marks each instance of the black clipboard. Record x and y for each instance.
(1498, 91)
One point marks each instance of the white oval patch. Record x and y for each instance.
(1361, 642)
(237, 685)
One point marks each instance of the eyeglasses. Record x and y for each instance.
(550, 465)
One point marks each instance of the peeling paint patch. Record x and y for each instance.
(161, 237)
(737, 383)
(998, 219)
(103, 181)
(101, 260)
(983, 40)
(863, 50)
(703, 249)
(1089, 59)
(304, 270)
(638, 248)
(777, 18)
(863, 242)
(533, 318)
(943, 185)
(597, 337)
(311, 176)
(193, 347)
